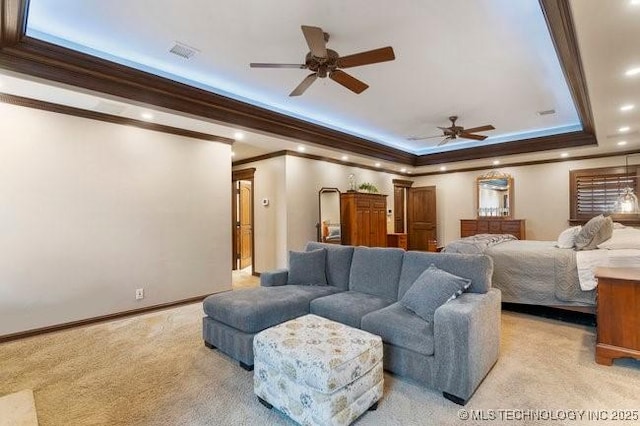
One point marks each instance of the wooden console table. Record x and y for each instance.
(618, 314)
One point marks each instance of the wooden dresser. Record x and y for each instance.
(515, 227)
(618, 314)
(364, 219)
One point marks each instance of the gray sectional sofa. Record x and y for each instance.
(453, 353)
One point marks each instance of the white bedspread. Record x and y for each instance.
(588, 260)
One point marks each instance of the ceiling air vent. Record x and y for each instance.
(547, 112)
(183, 50)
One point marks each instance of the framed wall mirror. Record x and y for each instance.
(495, 195)
(329, 230)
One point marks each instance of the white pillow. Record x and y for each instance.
(618, 225)
(625, 238)
(567, 238)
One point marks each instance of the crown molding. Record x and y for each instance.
(26, 55)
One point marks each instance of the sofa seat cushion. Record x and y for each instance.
(348, 307)
(255, 309)
(400, 327)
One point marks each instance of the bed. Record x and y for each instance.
(540, 273)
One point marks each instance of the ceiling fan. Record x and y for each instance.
(454, 132)
(326, 62)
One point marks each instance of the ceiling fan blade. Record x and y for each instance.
(479, 129)
(365, 58)
(315, 41)
(421, 138)
(261, 65)
(304, 85)
(474, 137)
(444, 128)
(348, 81)
(443, 141)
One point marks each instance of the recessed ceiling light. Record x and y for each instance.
(632, 71)
(622, 143)
(146, 116)
(635, 2)
(409, 172)
(403, 170)
(564, 155)
(624, 129)
(377, 164)
(301, 148)
(443, 168)
(345, 157)
(628, 107)
(496, 162)
(233, 154)
(238, 135)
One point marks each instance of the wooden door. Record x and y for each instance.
(245, 224)
(421, 217)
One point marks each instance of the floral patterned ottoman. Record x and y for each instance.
(317, 371)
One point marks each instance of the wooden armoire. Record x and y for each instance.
(363, 218)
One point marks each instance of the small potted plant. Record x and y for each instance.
(368, 187)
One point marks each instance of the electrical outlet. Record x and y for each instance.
(139, 293)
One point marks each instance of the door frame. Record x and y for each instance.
(400, 186)
(246, 175)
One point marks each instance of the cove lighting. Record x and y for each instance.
(238, 135)
(622, 143)
(627, 107)
(624, 129)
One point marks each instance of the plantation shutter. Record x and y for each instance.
(594, 191)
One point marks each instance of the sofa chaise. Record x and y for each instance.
(452, 353)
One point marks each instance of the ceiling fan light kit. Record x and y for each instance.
(328, 63)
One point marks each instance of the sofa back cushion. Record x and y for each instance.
(338, 263)
(476, 267)
(376, 271)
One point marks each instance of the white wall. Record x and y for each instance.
(90, 211)
(541, 196)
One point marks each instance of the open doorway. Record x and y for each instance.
(242, 217)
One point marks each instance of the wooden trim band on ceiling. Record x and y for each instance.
(13, 15)
(546, 143)
(317, 158)
(557, 14)
(102, 318)
(48, 61)
(116, 119)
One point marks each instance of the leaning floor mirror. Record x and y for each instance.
(329, 216)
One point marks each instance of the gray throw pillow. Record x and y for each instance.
(307, 267)
(598, 230)
(432, 289)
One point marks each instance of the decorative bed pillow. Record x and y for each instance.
(567, 238)
(307, 267)
(432, 289)
(624, 238)
(596, 231)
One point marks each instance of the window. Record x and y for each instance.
(594, 191)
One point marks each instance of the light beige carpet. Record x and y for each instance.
(18, 409)
(154, 370)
